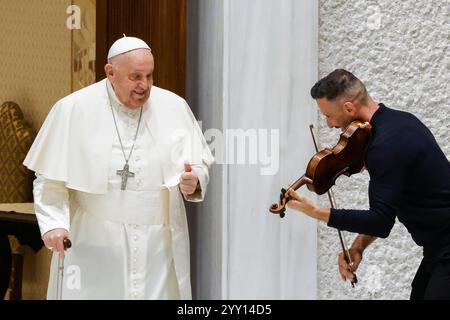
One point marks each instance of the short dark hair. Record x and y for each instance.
(338, 83)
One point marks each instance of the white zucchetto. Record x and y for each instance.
(126, 44)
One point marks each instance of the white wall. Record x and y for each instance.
(251, 65)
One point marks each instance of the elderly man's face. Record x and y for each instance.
(131, 75)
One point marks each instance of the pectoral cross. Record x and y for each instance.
(125, 173)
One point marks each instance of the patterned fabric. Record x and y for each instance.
(16, 137)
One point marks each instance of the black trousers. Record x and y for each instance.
(432, 281)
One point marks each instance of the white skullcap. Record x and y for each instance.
(126, 44)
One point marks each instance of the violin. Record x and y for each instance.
(346, 158)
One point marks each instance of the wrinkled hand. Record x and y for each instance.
(189, 180)
(301, 203)
(53, 240)
(344, 268)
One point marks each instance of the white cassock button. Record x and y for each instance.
(134, 260)
(134, 271)
(135, 249)
(135, 238)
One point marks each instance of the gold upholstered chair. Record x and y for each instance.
(16, 186)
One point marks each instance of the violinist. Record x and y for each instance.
(409, 180)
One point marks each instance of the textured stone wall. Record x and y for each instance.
(401, 50)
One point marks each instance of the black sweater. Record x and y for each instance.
(409, 179)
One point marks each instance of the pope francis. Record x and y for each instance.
(113, 163)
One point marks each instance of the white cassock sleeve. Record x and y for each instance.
(203, 179)
(51, 204)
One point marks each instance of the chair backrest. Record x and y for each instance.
(16, 138)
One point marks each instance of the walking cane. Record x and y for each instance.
(67, 244)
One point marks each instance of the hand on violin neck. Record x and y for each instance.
(307, 206)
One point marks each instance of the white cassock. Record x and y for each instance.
(130, 244)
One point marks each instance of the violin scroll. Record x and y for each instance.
(280, 208)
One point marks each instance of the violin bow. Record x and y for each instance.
(347, 257)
